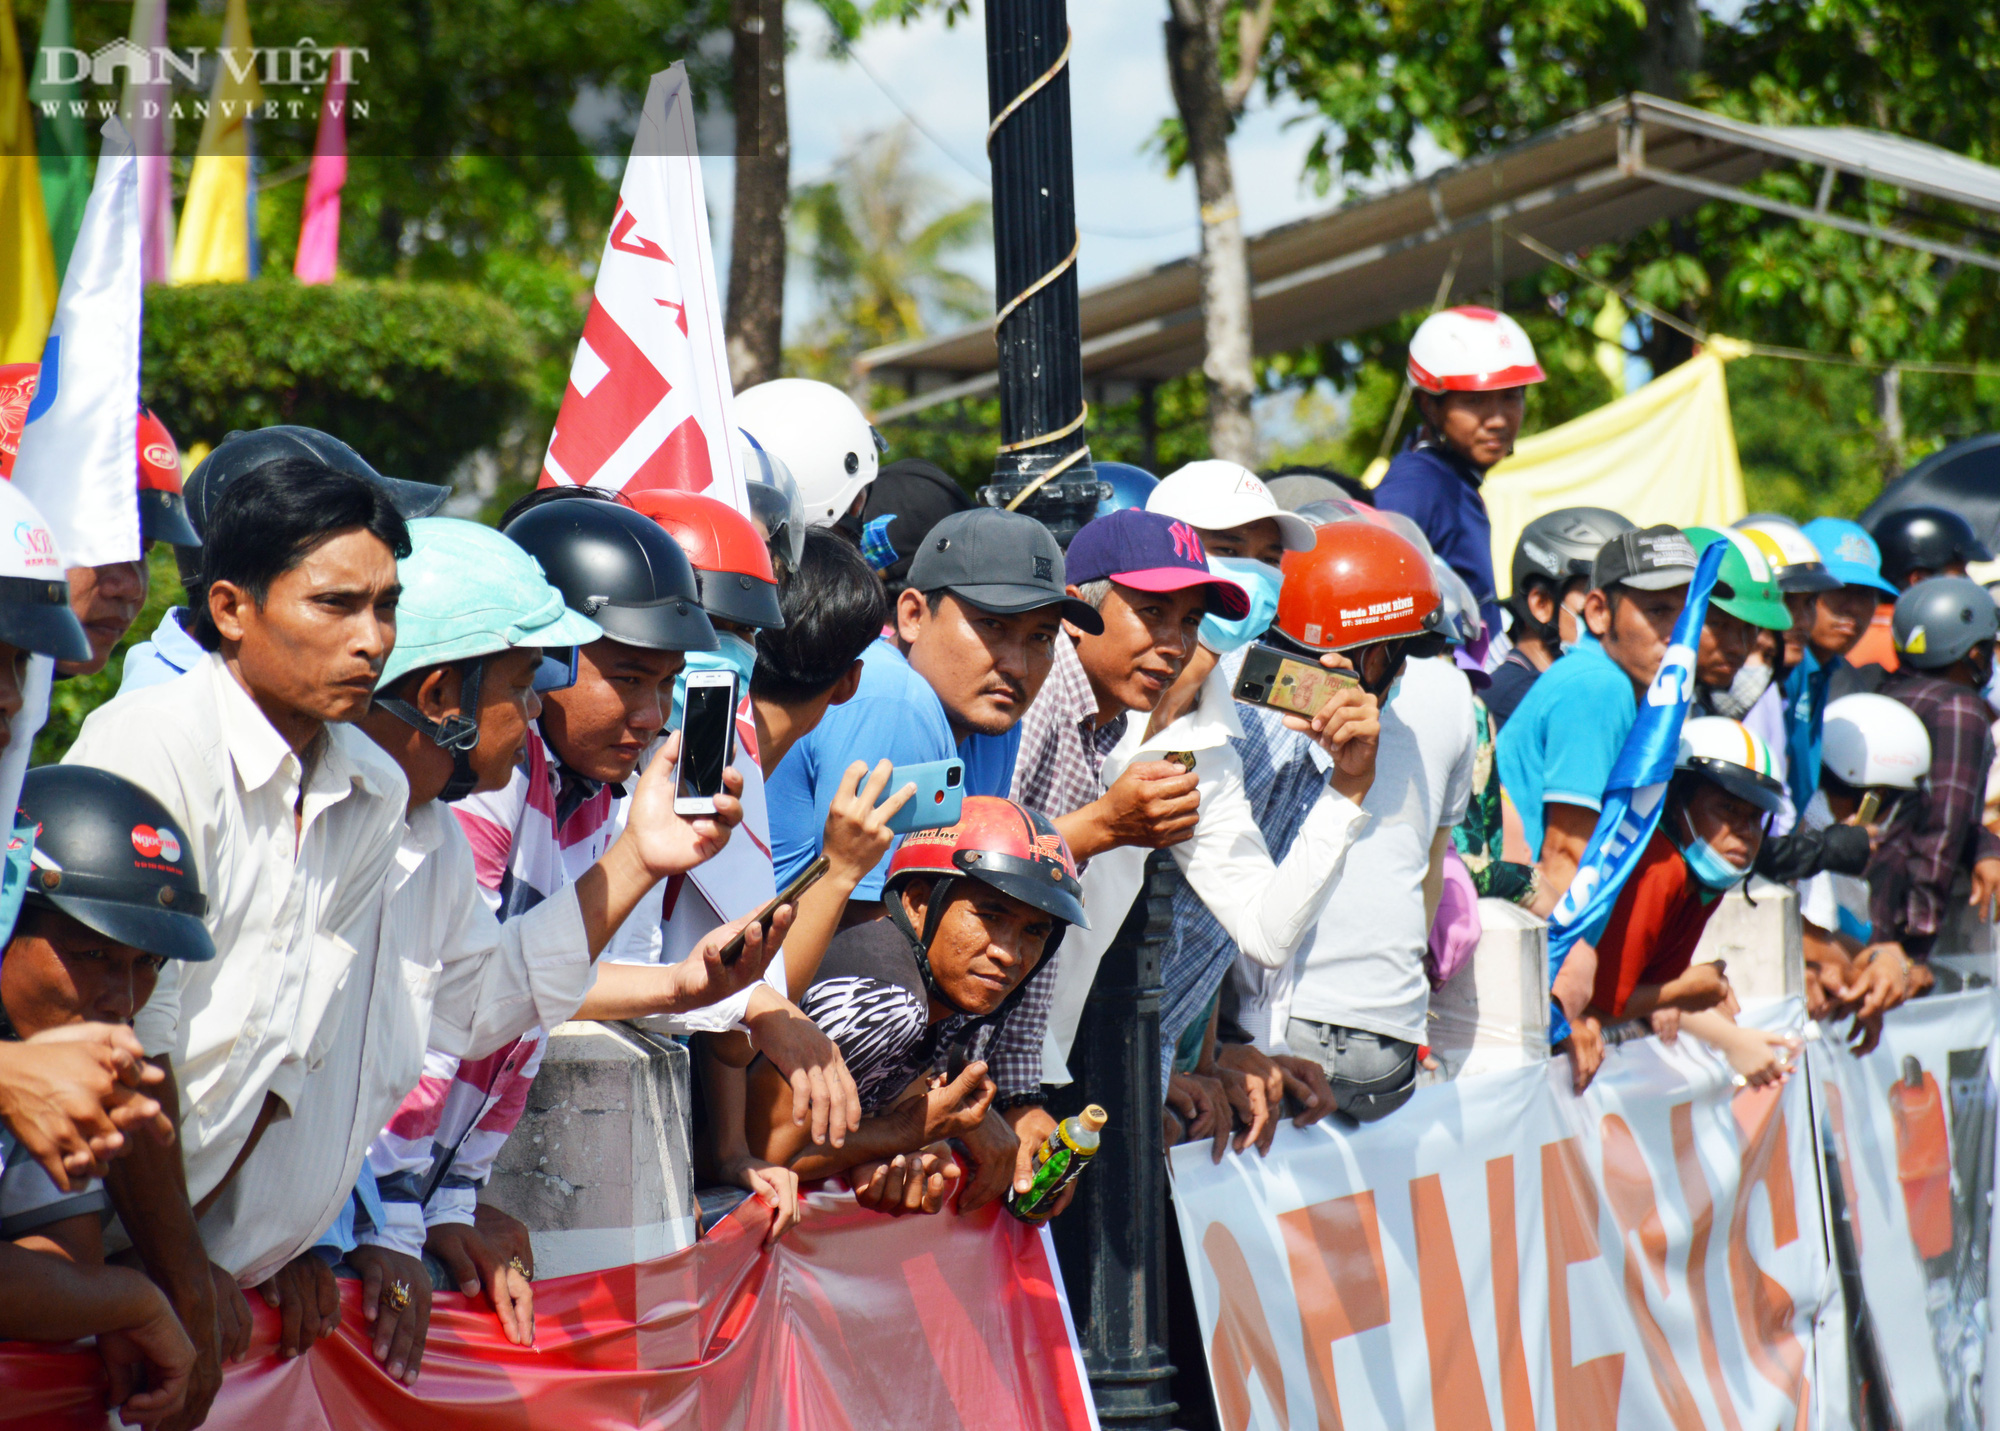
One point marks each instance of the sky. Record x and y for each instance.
(1132, 215)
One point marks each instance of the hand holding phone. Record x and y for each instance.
(1283, 682)
(807, 877)
(708, 740)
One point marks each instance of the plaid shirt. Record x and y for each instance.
(1058, 771)
(1062, 752)
(1936, 832)
(1283, 785)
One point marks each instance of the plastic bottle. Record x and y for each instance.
(1063, 1154)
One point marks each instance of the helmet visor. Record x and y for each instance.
(1745, 784)
(154, 929)
(35, 616)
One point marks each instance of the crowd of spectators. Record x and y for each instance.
(395, 795)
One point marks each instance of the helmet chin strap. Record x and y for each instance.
(458, 734)
(941, 891)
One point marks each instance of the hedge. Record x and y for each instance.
(415, 375)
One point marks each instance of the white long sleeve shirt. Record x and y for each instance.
(290, 858)
(1268, 908)
(446, 975)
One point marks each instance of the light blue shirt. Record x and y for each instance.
(894, 714)
(171, 652)
(1562, 740)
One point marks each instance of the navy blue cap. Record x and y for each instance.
(1150, 551)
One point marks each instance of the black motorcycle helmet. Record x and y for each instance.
(615, 565)
(242, 452)
(1925, 539)
(109, 856)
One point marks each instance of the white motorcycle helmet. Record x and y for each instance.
(1471, 350)
(823, 439)
(1873, 742)
(1733, 756)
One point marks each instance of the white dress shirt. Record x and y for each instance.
(446, 975)
(1266, 907)
(290, 859)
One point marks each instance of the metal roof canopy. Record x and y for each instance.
(1594, 178)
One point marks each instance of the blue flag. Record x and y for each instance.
(1636, 790)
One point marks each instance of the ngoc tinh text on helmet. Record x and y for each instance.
(1874, 741)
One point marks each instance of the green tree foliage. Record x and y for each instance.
(416, 376)
(877, 238)
(1473, 78)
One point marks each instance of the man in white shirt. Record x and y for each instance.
(292, 817)
(1356, 999)
(453, 710)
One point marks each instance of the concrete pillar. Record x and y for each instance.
(1494, 1013)
(1757, 935)
(599, 1167)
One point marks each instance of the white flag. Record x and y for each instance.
(649, 402)
(79, 458)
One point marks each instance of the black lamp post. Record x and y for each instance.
(1043, 467)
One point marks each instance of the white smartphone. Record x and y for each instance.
(708, 740)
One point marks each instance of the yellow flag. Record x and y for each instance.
(27, 258)
(214, 242)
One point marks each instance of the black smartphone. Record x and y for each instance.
(807, 877)
(708, 740)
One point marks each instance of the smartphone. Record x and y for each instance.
(1284, 682)
(939, 798)
(708, 740)
(807, 877)
(1871, 806)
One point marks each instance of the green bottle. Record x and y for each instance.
(1063, 1154)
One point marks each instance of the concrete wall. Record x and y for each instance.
(1757, 936)
(599, 1167)
(1494, 1013)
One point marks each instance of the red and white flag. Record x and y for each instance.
(649, 402)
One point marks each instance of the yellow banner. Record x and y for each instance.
(213, 245)
(1664, 453)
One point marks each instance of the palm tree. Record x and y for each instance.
(876, 238)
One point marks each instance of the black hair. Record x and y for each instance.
(266, 521)
(834, 606)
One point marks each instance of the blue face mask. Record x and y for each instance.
(1709, 868)
(1262, 581)
(735, 654)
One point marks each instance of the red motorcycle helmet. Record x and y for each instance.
(1016, 850)
(1361, 583)
(731, 560)
(162, 509)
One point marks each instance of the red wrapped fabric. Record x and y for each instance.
(853, 1322)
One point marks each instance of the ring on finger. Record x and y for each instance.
(399, 1296)
(519, 1266)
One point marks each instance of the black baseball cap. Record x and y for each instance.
(915, 495)
(1656, 558)
(999, 561)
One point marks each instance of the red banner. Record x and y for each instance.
(853, 1322)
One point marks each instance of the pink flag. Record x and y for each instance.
(147, 109)
(319, 225)
(649, 402)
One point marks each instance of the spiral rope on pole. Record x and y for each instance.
(1007, 309)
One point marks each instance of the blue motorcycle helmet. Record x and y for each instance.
(1130, 486)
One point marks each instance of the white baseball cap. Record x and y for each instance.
(1214, 495)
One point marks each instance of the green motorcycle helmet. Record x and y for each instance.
(1747, 586)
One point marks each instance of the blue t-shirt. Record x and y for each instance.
(894, 715)
(1439, 491)
(1565, 736)
(989, 761)
(1806, 687)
